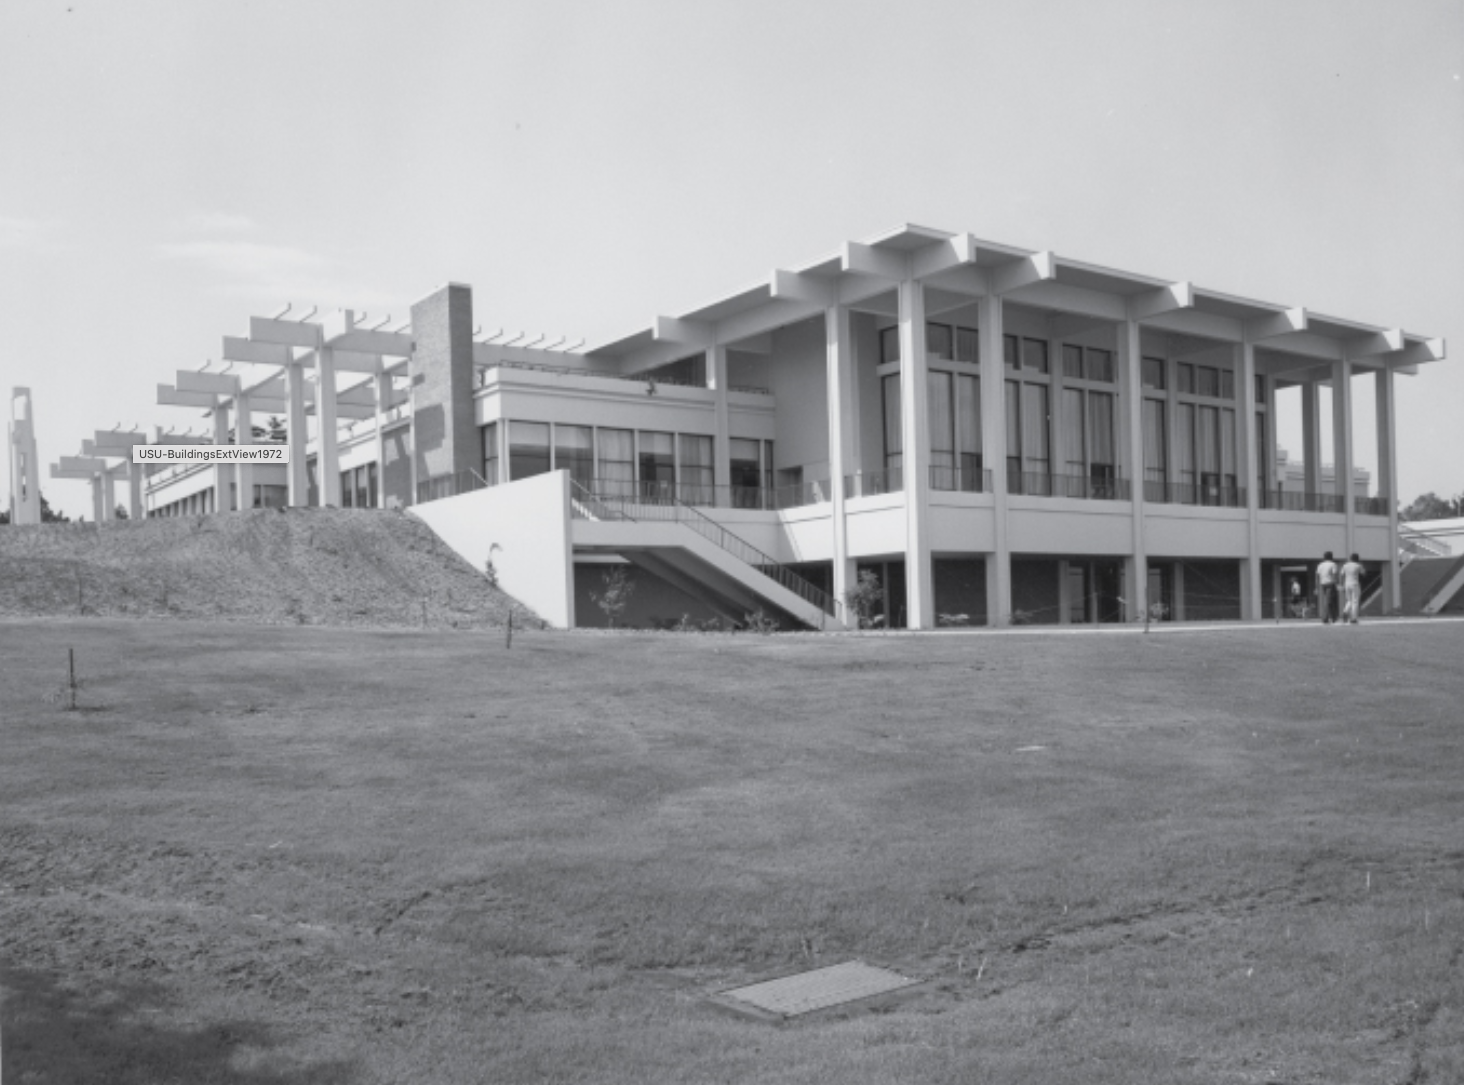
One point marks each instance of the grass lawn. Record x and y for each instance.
(271, 855)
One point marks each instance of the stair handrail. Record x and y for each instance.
(720, 537)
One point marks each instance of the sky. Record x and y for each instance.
(168, 169)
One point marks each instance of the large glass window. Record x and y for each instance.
(1036, 438)
(893, 443)
(617, 461)
(490, 453)
(1014, 436)
(1073, 442)
(657, 465)
(1098, 365)
(889, 344)
(696, 469)
(938, 343)
(968, 345)
(528, 449)
(1151, 372)
(1156, 454)
(1011, 352)
(1034, 355)
(968, 423)
(1072, 361)
(1207, 454)
(747, 473)
(942, 424)
(574, 452)
(1184, 450)
(1102, 448)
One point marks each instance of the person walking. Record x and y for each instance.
(1351, 589)
(1327, 588)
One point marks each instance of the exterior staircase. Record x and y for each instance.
(683, 545)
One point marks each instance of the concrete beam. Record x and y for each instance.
(1269, 327)
(1367, 346)
(1037, 268)
(223, 384)
(246, 350)
(364, 341)
(693, 334)
(90, 464)
(287, 333)
(168, 396)
(1166, 299)
(813, 289)
(881, 263)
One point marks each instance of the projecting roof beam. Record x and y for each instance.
(1072, 325)
(286, 333)
(168, 396)
(90, 464)
(120, 438)
(60, 472)
(952, 252)
(687, 333)
(812, 289)
(1066, 298)
(246, 350)
(353, 361)
(1167, 299)
(366, 341)
(1286, 322)
(220, 383)
(1198, 322)
(1039, 267)
(881, 263)
(1367, 346)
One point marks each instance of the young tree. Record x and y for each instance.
(618, 588)
(120, 512)
(1433, 507)
(865, 597)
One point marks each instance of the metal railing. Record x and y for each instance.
(1042, 484)
(1370, 506)
(1212, 495)
(874, 483)
(639, 378)
(1300, 501)
(449, 485)
(707, 495)
(587, 505)
(970, 480)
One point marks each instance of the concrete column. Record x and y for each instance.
(327, 457)
(1179, 591)
(222, 472)
(109, 496)
(721, 445)
(993, 458)
(98, 499)
(1388, 483)
(382, 385)
(838, 333)
(297, 434)
(1342, 440)
(25, 467)
(915, 456)
(134, 489)
(1311, 436)
(1246, 469)
(1272, 428)
(244, 435)
(1131, 462)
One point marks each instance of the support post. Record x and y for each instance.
(244, 435)
(722, 443)
(990, 327)
(223, 472)
(1131, 400)
(838, 333)
(98, 498)
(1311, 436)
(297, 434)
(327, 459)
(382, 385)
(1247, 470)
(1388, 484)
(109, 496)
(915, 456)
(1342, 440)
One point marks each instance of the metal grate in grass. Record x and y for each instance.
(819, 989)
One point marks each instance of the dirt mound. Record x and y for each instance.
(291, 566)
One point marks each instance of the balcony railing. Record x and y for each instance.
(705, 495)
(970, 480)
(1370, 506)
(1042, 484)
(1212, 495)
(873, 483)
(1300, 501)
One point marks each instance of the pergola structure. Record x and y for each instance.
(292, 352)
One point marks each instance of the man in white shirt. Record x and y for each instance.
(1327, 588)
(1351, 589)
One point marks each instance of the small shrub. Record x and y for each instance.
(618, 588)
(760, 622)
(865, 597)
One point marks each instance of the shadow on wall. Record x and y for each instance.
(119, 1033)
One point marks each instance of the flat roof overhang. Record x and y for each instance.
(961, 267)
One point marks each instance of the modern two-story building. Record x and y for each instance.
(998, 435)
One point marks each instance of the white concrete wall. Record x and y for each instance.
(876, 525)
(525, 526)
(1055, 525)
(1195, 531)
(1303, 534)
